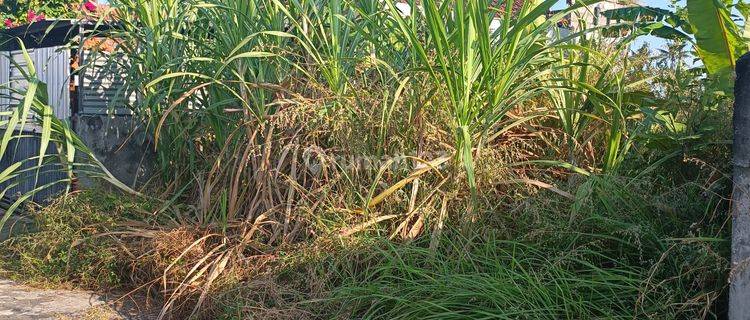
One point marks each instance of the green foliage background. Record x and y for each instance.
(17, 9)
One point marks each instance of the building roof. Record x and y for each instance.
(46, 33)
(517, 5)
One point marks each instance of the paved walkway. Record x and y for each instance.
(18, 302)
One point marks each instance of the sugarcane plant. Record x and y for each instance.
(60, 148)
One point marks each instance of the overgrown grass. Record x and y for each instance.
(623, 249)
(654, 252)
(492, 279)
(332, 159)
(72, 245)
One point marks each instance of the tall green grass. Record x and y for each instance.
(485, 74)
(615, 254)
(262, 111)
(652, 252)
(211, 74)
(493, 280)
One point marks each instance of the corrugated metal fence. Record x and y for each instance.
(47, 179)
(102, 81)
(53, 67)
(4, 79)
(99, 93)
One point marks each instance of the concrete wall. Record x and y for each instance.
(120, 143)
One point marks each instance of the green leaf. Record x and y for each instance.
(467, 158)
(634, 14)
(718, 39)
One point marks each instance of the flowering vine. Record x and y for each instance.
(13, 15)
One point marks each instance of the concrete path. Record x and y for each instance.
(18, 302)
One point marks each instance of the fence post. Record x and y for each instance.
(739, 277)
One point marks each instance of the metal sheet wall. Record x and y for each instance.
(26, 149)
(18, 83)
(53, 68)
(102, 84)
(100, 94)
(4, 78)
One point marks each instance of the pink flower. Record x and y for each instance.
(90, 6)
(8, 23)
(31, 16)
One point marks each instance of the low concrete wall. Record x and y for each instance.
(121, 144)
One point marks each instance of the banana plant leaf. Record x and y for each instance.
(644, 13)
(719, 41)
